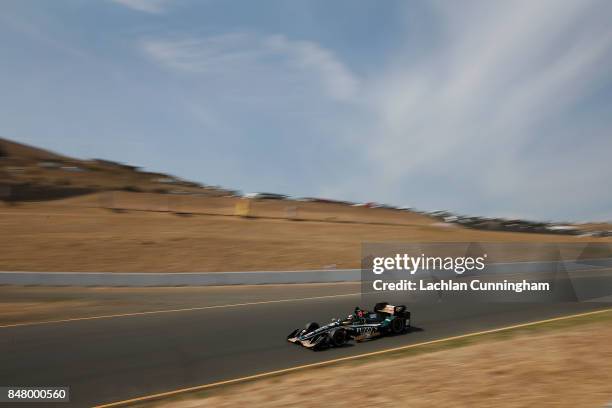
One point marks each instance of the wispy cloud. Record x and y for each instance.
(267, 104)
(273, 58)
(147, 6)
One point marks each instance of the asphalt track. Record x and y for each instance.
(118, 358)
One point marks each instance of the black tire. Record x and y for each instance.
(398, 325)
(337, 337)
(312, 326)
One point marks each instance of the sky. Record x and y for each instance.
(479, 107)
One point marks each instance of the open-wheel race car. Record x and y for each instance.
(360, 325)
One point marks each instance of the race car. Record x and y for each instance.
(360, 325)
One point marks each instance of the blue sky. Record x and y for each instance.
(491, 108)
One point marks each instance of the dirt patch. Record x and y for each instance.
(601, 226)
(561, 368)
(14, 312)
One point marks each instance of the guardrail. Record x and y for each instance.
(177, 279)
(250, 278)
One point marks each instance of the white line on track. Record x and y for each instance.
(190, 309)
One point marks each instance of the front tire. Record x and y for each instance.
(337, 337)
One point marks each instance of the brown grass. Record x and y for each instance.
(68, 235)
(571, 367)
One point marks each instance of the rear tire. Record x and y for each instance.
(398, 325)
(312, 326)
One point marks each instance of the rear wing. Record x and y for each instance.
(392, 310)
